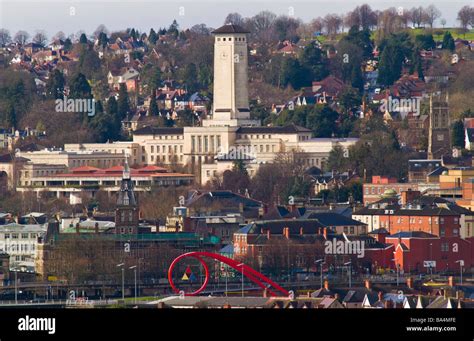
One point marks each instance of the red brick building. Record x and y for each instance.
(381, 186)
(432, 215)
(413, 248)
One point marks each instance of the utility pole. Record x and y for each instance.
(135, 274)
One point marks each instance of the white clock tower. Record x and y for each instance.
(231, 99)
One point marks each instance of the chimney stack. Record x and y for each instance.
(78, 228)
(451, 282)
(301, 231)
(325, 233)
(96, 226)
(286, 232)
(268, 234)
(410, 282)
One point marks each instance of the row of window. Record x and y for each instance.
(205, 143)
(246, 136)
(19, 247)
(165, 158)
(19, 235)
(230, 39)
(106, 163)
(171, 137)
(162, 149)
(380, 190)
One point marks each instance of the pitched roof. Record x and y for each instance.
(288, 129)
(159, 131)
(309, 226)
(230, 28)
(333, 219)
(412, 234)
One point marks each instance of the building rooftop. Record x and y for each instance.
(230, 28)
(288, 129)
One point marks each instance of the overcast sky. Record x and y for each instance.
(55, 15)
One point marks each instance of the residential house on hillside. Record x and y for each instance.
(129, 76)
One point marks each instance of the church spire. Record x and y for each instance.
(126, 169)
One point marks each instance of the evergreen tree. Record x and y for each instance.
(79, 87)
(458, 134)
(313, 60)
(67, 45)
(55, 85)
(83, 39)
(390, 67)
(103, 40)
(106, 125)
(152, 37)
(10, 119)
(448, 41)
(123, 104)
(154, 111)
(190, 77)
(357, 81)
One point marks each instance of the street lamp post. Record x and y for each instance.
(123, 279)
(242, 265)
(349, 264)
(431, 259)
(135, 275)
(226, 278)
(461, 264)
(397, 267)
(321, 262)
(16, 287)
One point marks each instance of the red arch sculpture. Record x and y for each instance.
(248, 272)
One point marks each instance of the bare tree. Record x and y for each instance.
(431, 15)
(100, 29)
(21, 37)
(317, 24)
(261, 26)
(5, 37)
(466, 17)
(333, 24)
(416, 16)
(40, 38)
(235, 19)
(362, 16)
(59, 36)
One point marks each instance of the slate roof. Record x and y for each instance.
(332, 219)
(413, 234)
(310, 226)
(159, 131)
(288, 129)
(421, 206)
(230, 28)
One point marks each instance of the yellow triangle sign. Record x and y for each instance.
(185, 277)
